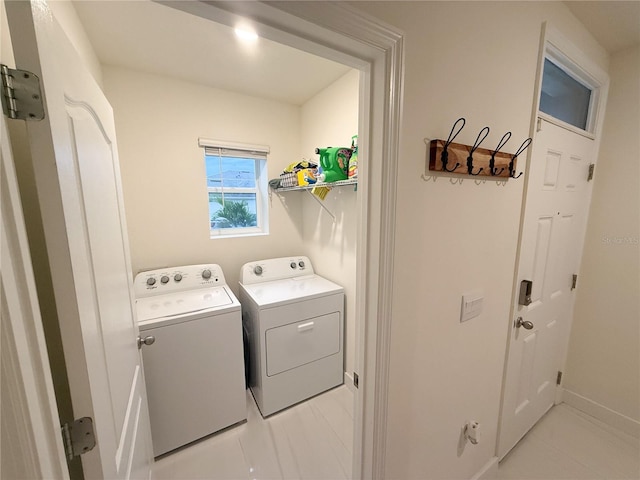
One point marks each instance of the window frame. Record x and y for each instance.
(257, 153)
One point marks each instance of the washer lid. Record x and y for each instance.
(291, 290)
(183, 303)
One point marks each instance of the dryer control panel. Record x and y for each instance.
(275, 269)
(177, 279)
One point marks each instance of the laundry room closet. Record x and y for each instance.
(163, 106)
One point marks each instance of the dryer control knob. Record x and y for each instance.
(206, 274)
(177, 277)
(164, 279)
(293, 265)
(151, 281)
(301, 264)
(257, 270)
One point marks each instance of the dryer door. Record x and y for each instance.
(303, 342)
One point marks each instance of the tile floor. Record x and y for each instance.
(311, 440)
(568, 444)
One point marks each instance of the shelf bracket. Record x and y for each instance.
(321, 204)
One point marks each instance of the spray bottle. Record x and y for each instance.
(353, 161)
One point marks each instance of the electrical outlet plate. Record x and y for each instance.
(472, 305)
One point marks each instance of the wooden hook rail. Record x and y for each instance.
(459, 153)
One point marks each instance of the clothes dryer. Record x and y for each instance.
(294, 321)
(193, 361)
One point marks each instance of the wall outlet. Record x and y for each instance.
(472, 304)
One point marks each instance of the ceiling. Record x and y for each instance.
(153, 38)
(149, 37)
(615, 25)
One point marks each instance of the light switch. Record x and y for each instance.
(472, 304)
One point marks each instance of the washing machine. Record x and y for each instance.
(294, 322)
(192, 349)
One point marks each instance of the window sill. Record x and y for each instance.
(238, 235)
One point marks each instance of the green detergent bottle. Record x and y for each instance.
(334, 162)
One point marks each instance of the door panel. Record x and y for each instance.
(557, 201)
(540, 258)
(78, 180)
(94, 161)
(526, 371)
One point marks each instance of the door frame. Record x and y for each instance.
(29, 410)
(341, 33)
(554, 44)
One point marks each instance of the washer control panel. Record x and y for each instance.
(177, 279)
(275, 269)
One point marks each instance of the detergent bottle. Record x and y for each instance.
(353, 161)
(334, 162)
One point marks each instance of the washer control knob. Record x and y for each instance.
(206, 274)
(257, 270)
(301, 264)
(177, 277)
(164, 279)
(151, 281)
(293, 265)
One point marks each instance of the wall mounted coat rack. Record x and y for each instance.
(446, 156)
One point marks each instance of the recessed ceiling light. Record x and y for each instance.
(246, 34)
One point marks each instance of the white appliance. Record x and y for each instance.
(194, 369)
(294, 321)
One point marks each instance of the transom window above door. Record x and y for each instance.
(567, 93)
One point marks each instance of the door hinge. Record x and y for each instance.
(574, 281)
(356, 380)
(21, 94)
(559, 378)
(78, 437)
(539, 125)
(592, 168)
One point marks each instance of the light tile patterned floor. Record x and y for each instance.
(568, 444)
(312, 440)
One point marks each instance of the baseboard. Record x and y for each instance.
(602, 413)
(489, 471)
(348, 381)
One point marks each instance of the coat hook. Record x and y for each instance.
(503, 141)
(444, 157)
(522, 148)
(473, 149)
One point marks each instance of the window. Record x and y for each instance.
(236, 179)
(569, 93)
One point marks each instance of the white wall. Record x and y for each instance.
(66, 15)
(159, 120)
(477, 60)
(603, 365)
(6, 50)
(330, 119)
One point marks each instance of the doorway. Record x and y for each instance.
(368, 301)
(377, 51)
(249, 92)
(571, 97)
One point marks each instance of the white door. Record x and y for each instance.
(557, 204)
(29, 415)
(78, 181)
